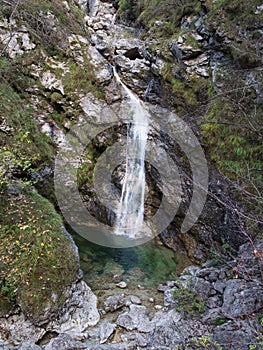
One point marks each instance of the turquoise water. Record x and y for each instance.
(147, 264)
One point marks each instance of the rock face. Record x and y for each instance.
(144, 70)
(234, 305)
(78, 314)
(231, 297)
(64, 341)
(135, 319)
(16, 43)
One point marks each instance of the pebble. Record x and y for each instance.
(158, 307)
(122, 285)
(151, 300)
(135, 300)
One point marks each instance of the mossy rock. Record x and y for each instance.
(37, 260)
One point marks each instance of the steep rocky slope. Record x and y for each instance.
(200, 59)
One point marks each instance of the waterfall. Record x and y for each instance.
(130, 212)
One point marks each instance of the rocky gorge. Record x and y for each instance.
(64, 73)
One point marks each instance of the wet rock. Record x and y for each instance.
(113, 303)
(112, 268)
(103, 44)
(130, 48)
(135, 319)
(135, 73)
(123, 63)
(65, 342)
(102, 68)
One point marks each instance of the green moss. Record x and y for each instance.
(233, 135)
(36, 258)
(145, 13)
(85, 172)
(55, 97)
(184, 91)
(81, 79)
(187, 94)
(191, 41)
(233, 18)
(23, 146)
(228, 141)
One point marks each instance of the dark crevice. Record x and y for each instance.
(133, 53)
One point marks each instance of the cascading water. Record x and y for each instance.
(130, 212)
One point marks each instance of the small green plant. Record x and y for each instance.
(7, 290)
(219, 321)
(188, 302)
(202, 343)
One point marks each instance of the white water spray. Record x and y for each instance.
(130, 212)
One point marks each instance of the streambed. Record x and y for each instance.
(142, 268)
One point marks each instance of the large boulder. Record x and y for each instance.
(242, 298)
